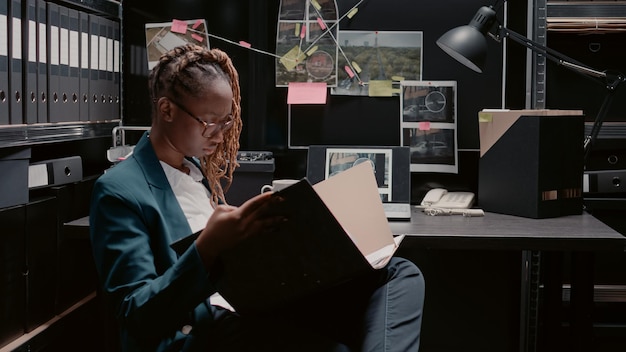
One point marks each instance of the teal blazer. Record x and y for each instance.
(134, 217)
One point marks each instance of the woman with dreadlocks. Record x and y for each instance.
(170, 187)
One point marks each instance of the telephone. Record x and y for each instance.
(441, 198)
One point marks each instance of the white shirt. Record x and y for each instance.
(191, 194)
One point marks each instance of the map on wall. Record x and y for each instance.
(368, 56)
(306, 46)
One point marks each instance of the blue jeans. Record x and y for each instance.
(379, 312)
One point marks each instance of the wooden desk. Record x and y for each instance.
(581, 235)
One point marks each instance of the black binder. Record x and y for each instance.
(64, 66)
(94, 64)
(85, 50)
(29, 38)
(73, 78)
(16, 92)
(42, 62)
(54, 93)
(4, 68)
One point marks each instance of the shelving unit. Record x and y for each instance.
(48, 278)
(40, 133)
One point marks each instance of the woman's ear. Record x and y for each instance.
(164, 109)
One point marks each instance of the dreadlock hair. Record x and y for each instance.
(190, 70)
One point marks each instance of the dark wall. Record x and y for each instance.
(264, 106)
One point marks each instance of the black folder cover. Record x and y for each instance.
(308, 253)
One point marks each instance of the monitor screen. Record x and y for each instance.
(391, 167)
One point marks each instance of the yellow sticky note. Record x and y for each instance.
(356, 66)
(485, 116)
(316, 4)
(380, 88)
(353, 12)
(296, 30)
(312, 50)
(397, 78)
(395, 90)
(294, 57)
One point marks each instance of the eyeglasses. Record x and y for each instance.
(210, 128)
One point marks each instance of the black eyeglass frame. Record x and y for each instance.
(210, 128)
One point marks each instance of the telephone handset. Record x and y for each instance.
(441, 198)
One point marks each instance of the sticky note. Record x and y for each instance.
(292, 58)
(303, 31)
(485, 116)
(424, 126)
(321, 23)
(356, 66)
(296, 30)
(380, 88)
(306, 93)
(316, 4)
(397, 78)
(353, 12)
(245, 44)
(349, 71)
(179, 26)
(312, 50)
(197, 24)
(197, 37)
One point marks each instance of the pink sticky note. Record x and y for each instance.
(306, 93)
(424, 126)
(197, 24)
(303, 31)
(349, 71)
(245, 44)
(321, 23)
(179, 26)
(197, 37)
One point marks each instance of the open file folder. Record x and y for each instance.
(337, 231)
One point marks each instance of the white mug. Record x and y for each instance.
(278, 185)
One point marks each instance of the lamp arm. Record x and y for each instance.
(610, 81)
(551, 54)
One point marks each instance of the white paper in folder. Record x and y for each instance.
(493, 123)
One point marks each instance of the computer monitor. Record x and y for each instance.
(391, 166)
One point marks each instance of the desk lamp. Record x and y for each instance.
(468, 45)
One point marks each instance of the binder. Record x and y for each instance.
(64, 65)
(102, 112)
(83, 86)
(110, 94)
(54, 101)
(30, 62)
(94, 57)
(42, 62)
(116, 70)
(15, 95)
(73, 79)
(4, 62)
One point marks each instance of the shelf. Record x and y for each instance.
(587, 9)
(107, 8)
(28, 135)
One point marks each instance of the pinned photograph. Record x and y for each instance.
(428, 119)
(370, 56)
(163, 37)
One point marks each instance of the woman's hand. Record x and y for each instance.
(229, 225)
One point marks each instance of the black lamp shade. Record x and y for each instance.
(468, 44)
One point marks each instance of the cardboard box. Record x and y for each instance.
(14, 176)
(531, 162)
